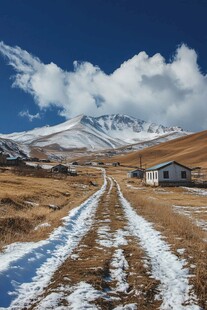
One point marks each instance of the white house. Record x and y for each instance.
(168, 173)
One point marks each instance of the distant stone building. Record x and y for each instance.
(168, 173)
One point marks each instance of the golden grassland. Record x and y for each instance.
(25, 200)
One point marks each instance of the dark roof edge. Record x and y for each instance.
(167, 164)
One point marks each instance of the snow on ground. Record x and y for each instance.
(31, 203)
(161, 191)
(79, 297)
(119, 266)
(26, 268)
(43, 166)
(134, 187)
(190, 212)
(82, 294)
(127, 307)
(175, 291)
(197, 191)
(108, 239)
(43, 225)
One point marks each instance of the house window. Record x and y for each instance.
(165, 174)
(156, 175)
(183, 175)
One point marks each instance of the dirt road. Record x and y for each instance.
(111, 259)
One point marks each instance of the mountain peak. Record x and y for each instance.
(102, 132)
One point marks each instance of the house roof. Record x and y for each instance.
(165, 164)
(13, 158)
(136, 170)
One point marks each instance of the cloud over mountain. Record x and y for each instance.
(150, 88)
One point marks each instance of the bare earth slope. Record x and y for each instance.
(190, 150)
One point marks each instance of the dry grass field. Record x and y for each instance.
(25, 214)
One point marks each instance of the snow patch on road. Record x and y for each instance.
(127, 307)
(82, 296)
(108, 239)
(118, 271)
(51, 302)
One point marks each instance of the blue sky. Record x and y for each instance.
(143, 58)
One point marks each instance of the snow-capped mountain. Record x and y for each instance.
(13, 148)
(127, 128)
(95, 133)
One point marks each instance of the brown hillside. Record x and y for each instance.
(190, 150)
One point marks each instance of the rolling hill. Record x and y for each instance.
(190, 150)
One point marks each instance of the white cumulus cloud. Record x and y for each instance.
(150, 88)
(30, 117)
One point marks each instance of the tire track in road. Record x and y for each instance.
(108, 270)
(115, 260)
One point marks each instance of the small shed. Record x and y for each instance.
(168, 173)
(60, 169)
(14, 161)
(137, 173)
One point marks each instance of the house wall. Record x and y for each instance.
(13, 162)
(174, 171)
(135, 174)
(152, 178)
(175, 174)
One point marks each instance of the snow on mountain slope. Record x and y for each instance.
(94, 133)
(128, 128)
(78, 137)
(29, 136)
(12, 148)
